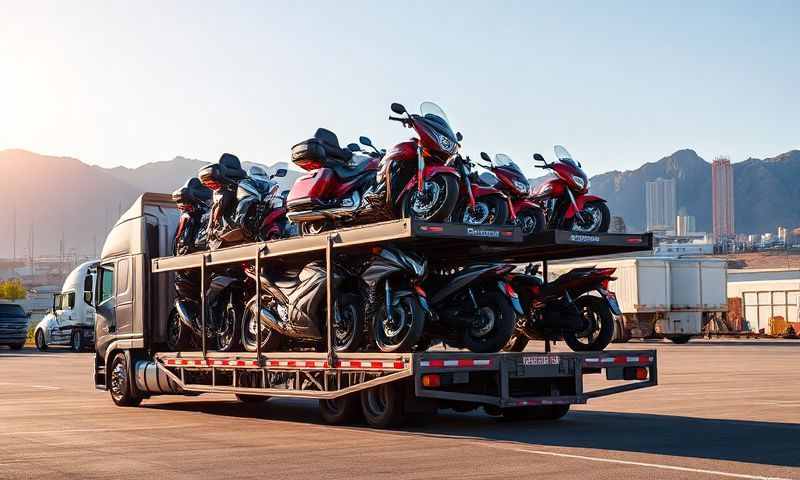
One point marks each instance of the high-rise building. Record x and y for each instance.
(661, 203)
(782, 234)
(684, 225)
(722, 198)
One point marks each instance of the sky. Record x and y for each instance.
(618, 83)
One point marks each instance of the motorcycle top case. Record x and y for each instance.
(228, 171)
(318, 151)
(191, 193)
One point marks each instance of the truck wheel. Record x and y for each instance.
(341, 411)
(383, 406)
(680, 339)
(539, 412)
(76, 341)
(243, 397)
(120, 388)
(41, 344)
(598, 334)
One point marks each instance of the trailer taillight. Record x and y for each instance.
(431, 380)
(634, 373)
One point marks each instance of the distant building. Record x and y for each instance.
(684, 225)
(782, 234)
(661, 203)
(722, 199)
(617, 225)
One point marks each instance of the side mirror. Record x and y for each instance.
(459, 137)
(281, 172)
(87, 297)
(485, 156)
(365, 141)
(398, 108)
(538, 157)
(353, 147)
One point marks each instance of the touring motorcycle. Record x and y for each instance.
(565, 308)
(411, 180)
(566, 199)
(192, 200)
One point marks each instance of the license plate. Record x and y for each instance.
(532, 360)
(611, 298)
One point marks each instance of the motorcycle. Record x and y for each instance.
(565, 198)
(395, 305)
(565, 309)
(510, 180)
(478, 204)
(476, 308)
(224, 300)
(260, 208)
(293, 312)
(192, 201)
(410, 180)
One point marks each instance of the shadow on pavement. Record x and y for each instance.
(731, 440)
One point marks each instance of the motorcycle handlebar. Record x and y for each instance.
(402, 120)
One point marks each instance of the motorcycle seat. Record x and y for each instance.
(358, 165)
(330, 143)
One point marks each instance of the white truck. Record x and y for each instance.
(662, 296)
(70, 321)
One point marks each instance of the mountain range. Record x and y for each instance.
(62, 197)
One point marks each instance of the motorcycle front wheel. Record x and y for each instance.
(531, 221)
(599, 325)
(178, 334)
(404, 329)
(494, 324)
(436, 201)
(270, 340)
(596, 219)
(490, 210)
(227, 331)
(348, 328)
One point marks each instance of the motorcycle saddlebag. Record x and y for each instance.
(317, 185)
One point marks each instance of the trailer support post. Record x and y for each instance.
(203, 305)
(329, 300)
(257, 266)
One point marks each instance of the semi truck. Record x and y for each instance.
(663, 297)
(134, 295)
(70, 321)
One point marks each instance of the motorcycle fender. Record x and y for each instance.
(507, 290)
(580, 202)
(611, 300)
(427, 173)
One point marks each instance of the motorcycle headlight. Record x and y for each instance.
(446, 144)
(521, 186)
(578, 181)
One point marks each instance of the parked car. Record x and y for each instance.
(70, 322)
(13, 325)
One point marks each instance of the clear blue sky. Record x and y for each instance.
(619, 83)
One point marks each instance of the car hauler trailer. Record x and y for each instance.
(134, 296)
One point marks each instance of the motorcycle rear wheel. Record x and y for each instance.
(497, 307)
(271, 340)
(405, 330)
(348, 330)
(179, 335)
(601, 325)
(227, 332)
(443, 188)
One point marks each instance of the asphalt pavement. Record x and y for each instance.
(723, 409)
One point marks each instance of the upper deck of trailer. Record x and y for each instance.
(442, 242)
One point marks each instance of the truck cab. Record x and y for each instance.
(70, 321)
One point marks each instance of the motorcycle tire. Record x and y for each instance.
(271, 340)
(227, 334)
(599, 338)
(413, 317)
(504, 319)
(605, 219)
(444, 206)
(496, 212)
(349, 328)
(516, 343)
(179, 335)
(531, 221)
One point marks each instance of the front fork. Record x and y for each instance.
(575, 205)
(420, 169)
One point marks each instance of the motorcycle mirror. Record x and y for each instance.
(353, 147)
(485, 156)
(281, 172)
(398, 108)
(365, 141)
(459, 137)
(538, 157)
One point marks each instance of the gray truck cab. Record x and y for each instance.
(131, 306)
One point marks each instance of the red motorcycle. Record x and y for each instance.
(524, 212)
(566, 198)
(478, 204)
(565, 309)
(410, 180)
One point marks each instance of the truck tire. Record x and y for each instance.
(243, 397)
(76, 341)
(383, 406)
(120, 386)
(680, 339)
(41, 343)
(539, 412)
(341, 411)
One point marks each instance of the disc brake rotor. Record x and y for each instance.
(425, 201)
(476, 215)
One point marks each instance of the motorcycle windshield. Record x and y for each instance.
(564, 156)
(437, 120)
(503, 161)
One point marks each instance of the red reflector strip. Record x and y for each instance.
(507, 234)
(456, 363)
(431, 228)
(619, 360)
(367, 364)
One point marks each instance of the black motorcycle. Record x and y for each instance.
(293, 310)
(476, 308)
(260, 209)
(224, 297)
(192, 200)
(395, 302)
